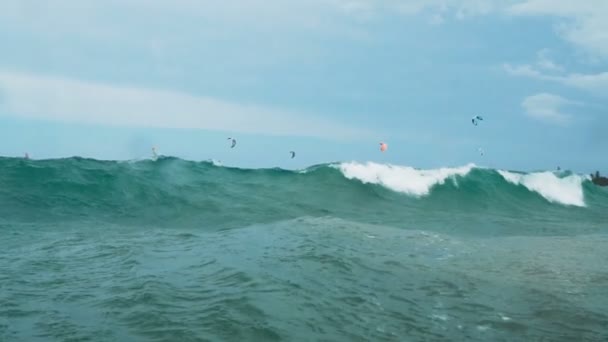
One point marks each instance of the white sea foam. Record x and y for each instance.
(216, 162)
(567, 190)
(403, 179)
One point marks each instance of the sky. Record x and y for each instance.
(329, 79)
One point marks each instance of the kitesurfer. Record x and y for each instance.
(599, 180)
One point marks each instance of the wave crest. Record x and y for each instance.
(567, 190)
(402, 179)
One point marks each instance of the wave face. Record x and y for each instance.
(175, 192)
(175, 250)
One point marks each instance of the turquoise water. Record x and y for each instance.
(173, 250)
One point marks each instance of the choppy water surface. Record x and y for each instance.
(171, 250)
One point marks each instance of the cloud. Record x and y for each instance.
(587, 29)
(592, 83)
(99, 19)
(74, 101)
(547, 107)
(585, 23)
(525, 70)
(438, 10)
(596, 83)
(140, 20)
(547, 70)
(545, 63)
(542, 65)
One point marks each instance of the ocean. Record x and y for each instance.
(176, 250)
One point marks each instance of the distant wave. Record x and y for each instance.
(173, 191)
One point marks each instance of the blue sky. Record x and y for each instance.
(327, 78)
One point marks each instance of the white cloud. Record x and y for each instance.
(545, 69)
(583, 23)
(99, 18)
(438, 10)
(592, 83)
(526, 70)
(586, 22)
(112, 20)
(596, 83)
(66, 100)
(588, 16)
(545, 63)
(547, 107)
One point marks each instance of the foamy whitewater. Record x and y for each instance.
(567, 190)
(401, 178)
(176, 250)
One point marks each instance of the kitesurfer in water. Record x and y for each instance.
(599, 180)
(383, 147)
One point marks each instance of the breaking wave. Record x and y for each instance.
(403, 179)
(171, 191)
(567, 190)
